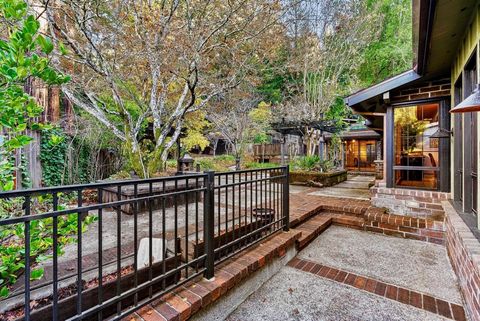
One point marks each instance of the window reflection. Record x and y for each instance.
(416, 154)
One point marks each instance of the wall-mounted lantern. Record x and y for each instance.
(471, 103)
(442, 133)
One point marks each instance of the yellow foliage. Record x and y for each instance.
(262, 113)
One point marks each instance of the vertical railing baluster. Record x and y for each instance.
(209, 235)
(226, 214)
(262, 205)
(239, 233)
(219, 195)
(79, 253)
(175, 224)
(251, 205)
(256, 202)
(196, 222)
(277, 197)
(286, 199)
(232, 248)
(150, 238)
(187, 187)
(246, 207)
(55, 259)
(274, 226)
(164, 235)
(119, 248)
(27, 259)
(135, 242)
(100, 253)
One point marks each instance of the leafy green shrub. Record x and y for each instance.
(255, 165)
(307, 163)
(225, 157)
(12, 247)
(23, 56)
(207, 164)
(326, 165)
(120, 175)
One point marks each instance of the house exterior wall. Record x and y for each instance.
(462, 245)
(467, 48)
(427, 90)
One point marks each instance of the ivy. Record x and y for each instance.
(53, 148)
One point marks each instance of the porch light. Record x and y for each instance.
(471, 103)
(441, 133)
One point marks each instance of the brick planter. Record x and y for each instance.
(313, 177)
(463, 249)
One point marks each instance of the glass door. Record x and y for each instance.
(416, 155)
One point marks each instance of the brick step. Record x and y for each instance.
(297, 219)
(344, 213)
(312, 228)
(346, 209)
(356, 222)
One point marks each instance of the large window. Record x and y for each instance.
(470, 134)
(416, 156)
(458, 149)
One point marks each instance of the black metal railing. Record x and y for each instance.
(103, 250)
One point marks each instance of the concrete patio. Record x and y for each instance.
(347, 274)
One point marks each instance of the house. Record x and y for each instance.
(361, 148)
(431, 155)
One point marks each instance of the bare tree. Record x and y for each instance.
(135, 61)
(327, 38)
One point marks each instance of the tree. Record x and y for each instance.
(136, 62)
(240, 117)
(23, 56)
(391, 53)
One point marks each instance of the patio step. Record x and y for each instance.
(356, 222)
(312, 228)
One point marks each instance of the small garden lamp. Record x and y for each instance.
(469, 104)
(184, 164)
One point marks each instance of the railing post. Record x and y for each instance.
(286, 200)
(208, 212)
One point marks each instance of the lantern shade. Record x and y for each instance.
(441, 133)
(471, 103)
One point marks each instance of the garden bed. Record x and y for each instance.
(111, 194)
(314, 178)
(90, 294)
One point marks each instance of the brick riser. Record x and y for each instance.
(369, 219)
(311, 229)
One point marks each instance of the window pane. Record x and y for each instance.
(416, 178)
(413, 126)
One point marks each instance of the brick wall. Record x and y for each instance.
(464, 252)
(414, 203)
(431, 89)
(421, 229)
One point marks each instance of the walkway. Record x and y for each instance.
(347, 274)
(355, 187)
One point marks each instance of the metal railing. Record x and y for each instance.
(107, 249)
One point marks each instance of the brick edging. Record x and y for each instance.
(416, 299)
(188, 299)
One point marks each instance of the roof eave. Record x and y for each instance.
(382, 87)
